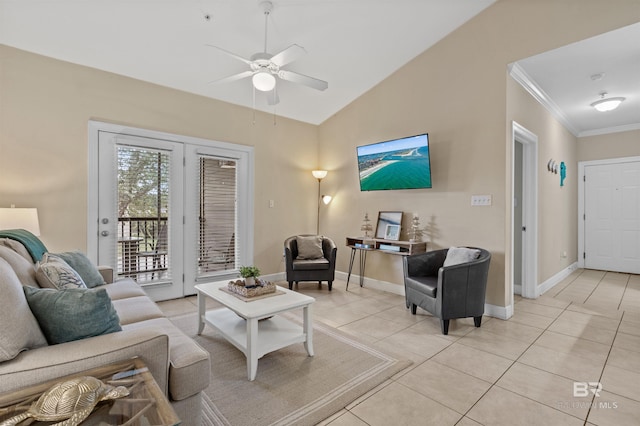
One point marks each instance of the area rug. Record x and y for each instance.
(290, 388)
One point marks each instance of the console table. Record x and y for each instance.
(364, 245)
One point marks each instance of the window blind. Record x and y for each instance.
(217, 251)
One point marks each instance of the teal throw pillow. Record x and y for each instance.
(73, 313)
(83, 266)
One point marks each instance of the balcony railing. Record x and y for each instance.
(143, 249)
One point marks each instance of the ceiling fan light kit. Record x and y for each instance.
(264, 81)
(264, 67)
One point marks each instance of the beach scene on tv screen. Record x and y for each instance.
(397, 164)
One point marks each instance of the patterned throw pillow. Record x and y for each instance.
(83, 266)
(73, 313)
(53, 272)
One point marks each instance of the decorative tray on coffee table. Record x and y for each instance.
(261, 288)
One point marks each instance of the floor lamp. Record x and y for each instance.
(319, 174)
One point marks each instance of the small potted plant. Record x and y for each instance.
(249, 273)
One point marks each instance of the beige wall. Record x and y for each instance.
(457, 91)
(557, 205)
(45, 106)
(613, 145)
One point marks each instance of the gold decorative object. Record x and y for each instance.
(72, 401)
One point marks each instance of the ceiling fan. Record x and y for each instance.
(265, 67)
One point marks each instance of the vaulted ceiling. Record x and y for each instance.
(351, 44)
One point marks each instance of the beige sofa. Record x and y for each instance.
(179, 365)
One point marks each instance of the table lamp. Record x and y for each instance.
(20, 218)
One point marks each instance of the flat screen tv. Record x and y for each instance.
(396, 164)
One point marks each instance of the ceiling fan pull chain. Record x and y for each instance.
(254, 105)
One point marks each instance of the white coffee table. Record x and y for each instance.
(239, 321)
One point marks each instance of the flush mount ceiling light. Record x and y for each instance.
(607, 104)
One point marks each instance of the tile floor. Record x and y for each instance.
(523, 371)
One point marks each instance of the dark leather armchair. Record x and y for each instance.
(321, 269)
(450, 292)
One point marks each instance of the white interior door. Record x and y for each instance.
(612, 216)
(524, 219)
(140, 211)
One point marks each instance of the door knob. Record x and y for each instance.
(104, 233)
(105, 220)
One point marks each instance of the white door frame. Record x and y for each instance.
(581, 197)
(529, 141)
(245, 199)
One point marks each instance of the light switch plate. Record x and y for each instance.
(481, 200)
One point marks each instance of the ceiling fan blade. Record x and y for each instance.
(289, 54)
(303, 79)
(233, 55)
(272, 97)
(234, 77)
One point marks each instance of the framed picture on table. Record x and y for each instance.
(392, 232)
(388, 218)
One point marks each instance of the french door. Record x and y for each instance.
(140, 211)
(168, 211)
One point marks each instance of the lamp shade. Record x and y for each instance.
(264, 81)
(326, 199)
(319, 174)
(22, 218)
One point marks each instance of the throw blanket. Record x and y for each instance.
(32, 243)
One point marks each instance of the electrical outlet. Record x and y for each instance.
(272, 203)
(481, 200)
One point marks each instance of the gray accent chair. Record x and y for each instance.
(323, 269)
(451, 292)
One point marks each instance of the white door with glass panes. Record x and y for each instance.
(168, 211)
(215, 208)
(140, 211)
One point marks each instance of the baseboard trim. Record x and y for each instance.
(278, 276)
(555, 279)
(371, 283)
(500, 312)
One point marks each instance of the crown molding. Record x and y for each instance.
(607, 130)
(518, 74)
